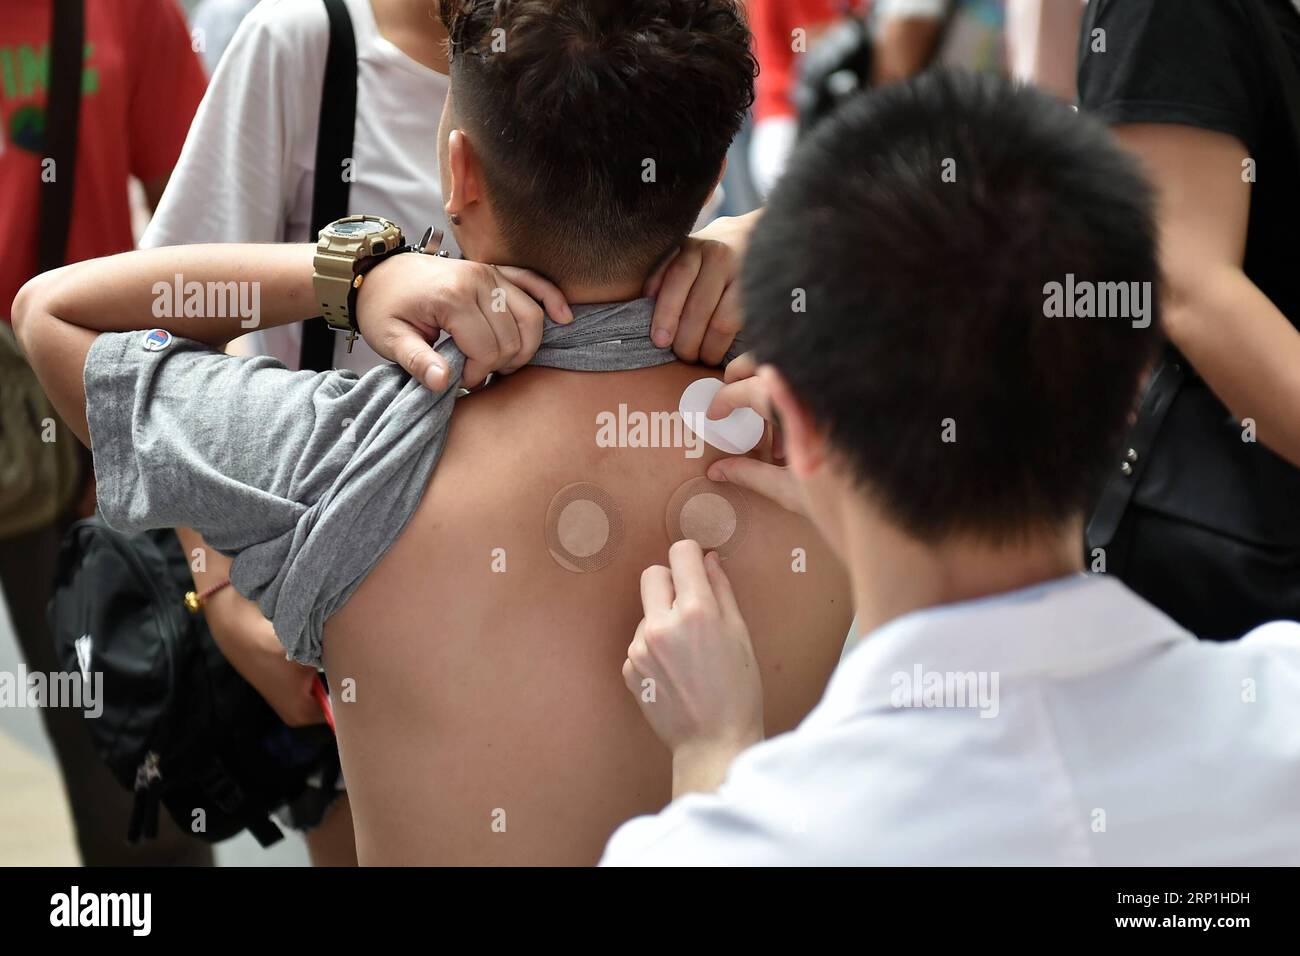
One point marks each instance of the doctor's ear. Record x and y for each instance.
(803, 441)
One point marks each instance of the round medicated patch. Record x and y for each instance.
(584, 528)
(715, 514)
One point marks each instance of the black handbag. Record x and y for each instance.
(1146, 500)
(177, 724)
(836, 67)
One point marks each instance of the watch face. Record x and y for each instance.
(363, 228)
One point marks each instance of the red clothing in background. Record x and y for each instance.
(773, 23)
(141, 83)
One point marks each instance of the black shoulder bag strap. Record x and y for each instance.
(1162, 388)
(329, 201)
(62, 116)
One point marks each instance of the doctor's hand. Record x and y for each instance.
(692, 669)
(747, 388)
(698, 291)
(493, 313)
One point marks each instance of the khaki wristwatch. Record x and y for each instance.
(347, 250)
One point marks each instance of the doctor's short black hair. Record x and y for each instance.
(602, 125)
(909, 281)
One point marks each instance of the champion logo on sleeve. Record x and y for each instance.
(157, 340)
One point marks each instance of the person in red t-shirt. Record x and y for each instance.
(777, 46)
(141, 84)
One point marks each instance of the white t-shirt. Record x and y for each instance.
(214, 22)
(1068, 724)
(247, 169)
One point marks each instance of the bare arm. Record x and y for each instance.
(905, 47)
(404, 303)
(58, 315)
(247, 639)
(1043, 43)
(1238, 340)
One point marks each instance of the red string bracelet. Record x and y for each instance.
(194, 601)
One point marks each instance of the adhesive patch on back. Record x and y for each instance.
(584, 528)
(716, 514)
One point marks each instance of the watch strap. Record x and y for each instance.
(430, 244)
(332, 282)
(360, 271)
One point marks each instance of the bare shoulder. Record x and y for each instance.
(557, 489)
(515, 447)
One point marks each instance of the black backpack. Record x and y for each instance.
(179, 725)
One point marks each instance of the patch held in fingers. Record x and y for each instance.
(584, 528)
(737, 434)
(715, 514)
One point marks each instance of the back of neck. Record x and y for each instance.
(578, 293)
(894, 574)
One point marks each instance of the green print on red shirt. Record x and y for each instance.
(24, 74)
(141, 82)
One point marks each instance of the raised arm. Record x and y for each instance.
(402, 306)
(58, 315)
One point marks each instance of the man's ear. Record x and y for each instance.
(804, 444)
(466, 175)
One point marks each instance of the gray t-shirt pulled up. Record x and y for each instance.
(305, 479)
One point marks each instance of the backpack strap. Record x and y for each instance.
(226, 794)
(62, 117)
(334, 140)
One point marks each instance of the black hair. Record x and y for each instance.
(922, 227)
(602, 125)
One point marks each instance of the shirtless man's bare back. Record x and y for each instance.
(490, 722)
